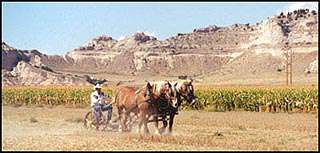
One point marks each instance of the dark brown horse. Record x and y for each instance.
(182, 91)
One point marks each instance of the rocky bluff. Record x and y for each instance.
(202, 51)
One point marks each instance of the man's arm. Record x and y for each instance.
(94, 99)
(106, 98)
(103, 97)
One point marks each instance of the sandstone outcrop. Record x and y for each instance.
(253, 48)
(26, 74)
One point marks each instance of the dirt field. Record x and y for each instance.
(60, 128)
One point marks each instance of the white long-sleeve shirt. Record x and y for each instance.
(96, 98)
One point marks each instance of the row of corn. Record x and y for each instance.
(50, 95)
(260, 99)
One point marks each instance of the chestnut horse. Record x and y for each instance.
(140, 102)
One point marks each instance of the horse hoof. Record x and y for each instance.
(162, 130)
(137, 131)
(158, 132)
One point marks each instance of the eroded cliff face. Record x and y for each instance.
(312, 67)
(11, 57)
(202, 51)
(26, 74)
(256, 48)
(302, 35)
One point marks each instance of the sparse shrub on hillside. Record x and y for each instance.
(33, 120)
(94, 81)
(44, 67)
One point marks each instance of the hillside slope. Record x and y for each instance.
(237, 50)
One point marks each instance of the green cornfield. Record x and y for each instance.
(259, 99)
(50, 95)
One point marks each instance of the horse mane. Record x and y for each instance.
(157, 86)
(139, 90)
(179, 84)
(142, 88)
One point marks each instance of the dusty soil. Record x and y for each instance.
(60, 128)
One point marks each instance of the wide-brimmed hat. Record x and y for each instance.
(97, 86)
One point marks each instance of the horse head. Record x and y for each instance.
(148, 92)
(184, 91)
(191, 99)
(176, 100)
(167, 90)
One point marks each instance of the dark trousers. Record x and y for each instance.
(99, 108)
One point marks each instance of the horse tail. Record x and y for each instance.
(116, 102)
(119, 83)
(138, 91)
(115, 98)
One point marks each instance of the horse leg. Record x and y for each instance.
(119, 119)
(125, 128)
(141, 116)
(155, 119)
(165, 123)
(135, 121)
(172, 114)
(136, 117)
(122, 120)
(128, 121)
(145, 123)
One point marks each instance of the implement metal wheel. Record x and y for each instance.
(88, 120)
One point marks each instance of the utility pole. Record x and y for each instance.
(287, 67)
(290, 64)
(288, 56)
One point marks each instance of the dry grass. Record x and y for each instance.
(33, 120)
(59, 128)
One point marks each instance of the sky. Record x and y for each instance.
(56, 28)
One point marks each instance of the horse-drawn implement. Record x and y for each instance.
(162, 115)
(88, 121)
(151, 103)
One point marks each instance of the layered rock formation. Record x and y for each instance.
(27, 74)
(26, 67)
(256, 49)
(313, 67)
